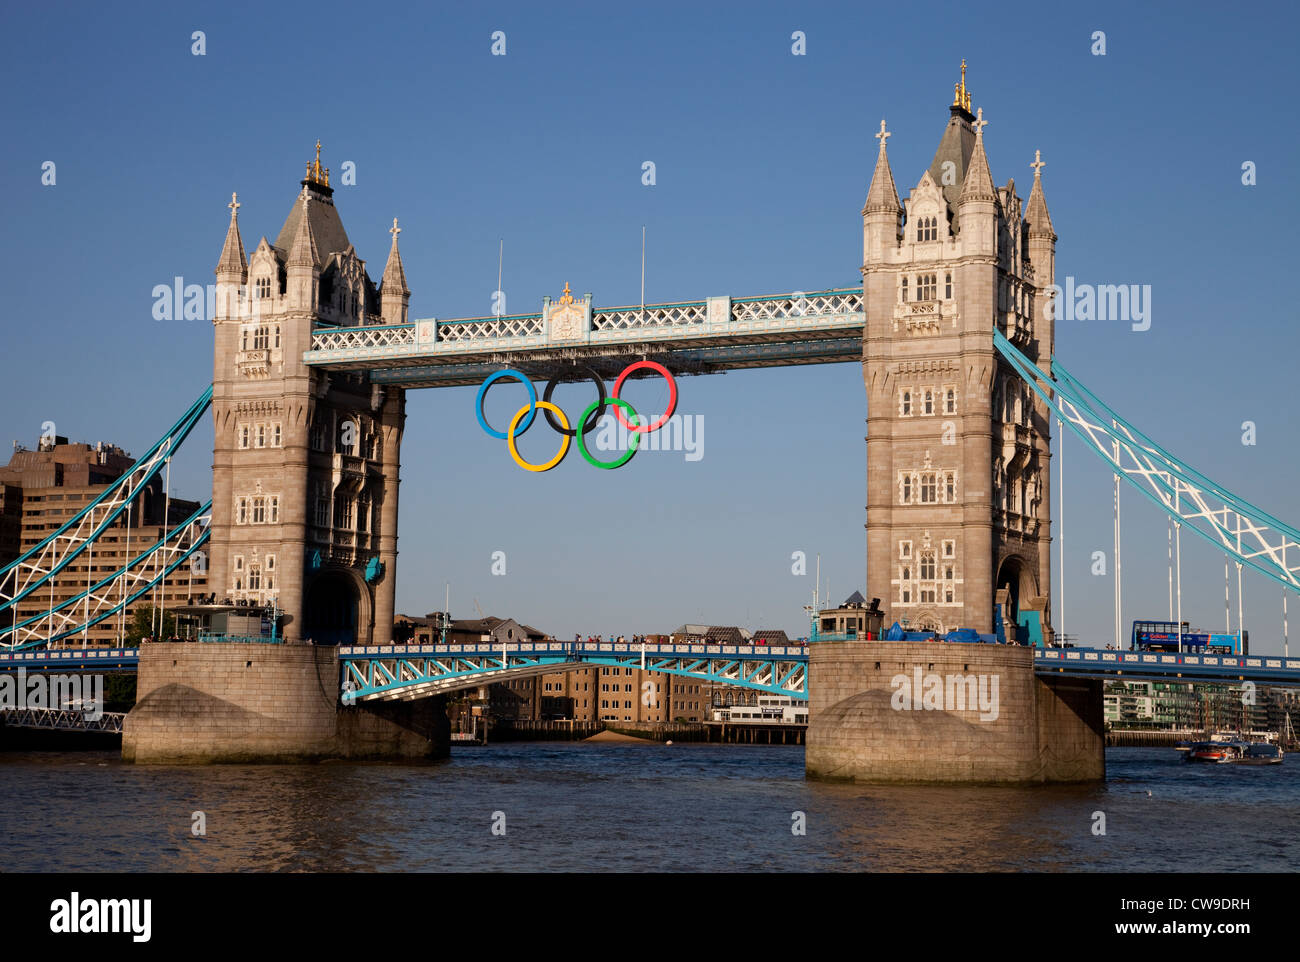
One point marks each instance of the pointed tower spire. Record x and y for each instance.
(394, 296)
(304, 253)
(233, 259)
(882, 195)
(394, 278)
(979, 180)
(1036, 215)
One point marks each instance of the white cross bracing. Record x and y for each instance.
(1234, 525)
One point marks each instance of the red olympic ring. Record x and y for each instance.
(672, 396)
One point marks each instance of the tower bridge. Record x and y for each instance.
(953, 328)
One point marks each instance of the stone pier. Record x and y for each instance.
(934, 712)
(204, 703)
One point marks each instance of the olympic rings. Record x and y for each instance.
(631, 448)
(591, 415)
(514, 451)
(672, 395)
(595, 418)
(519, 376)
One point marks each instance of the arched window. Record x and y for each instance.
(904, 290)
(950, 402)
(907, 489)
(907, 403)
(947, 287)
(927, 567)
(907, 574)
(929, 402)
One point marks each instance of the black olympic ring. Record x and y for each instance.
(590, 424)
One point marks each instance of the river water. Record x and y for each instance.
(633, 807)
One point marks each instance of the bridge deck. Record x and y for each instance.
(689, 337)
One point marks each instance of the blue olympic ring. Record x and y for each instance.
(532, 402)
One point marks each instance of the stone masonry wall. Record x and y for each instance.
(200, 703)
(1042, 731)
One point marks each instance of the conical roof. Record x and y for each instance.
(394, 279)
(1037, 218)
(882, 195)
(233, 259)
(978, 184)
(304, 252)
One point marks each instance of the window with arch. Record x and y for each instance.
(947, 286)
(907, 489)
(947, 595)
(905, 549)
(261, 435)
(950, 487)
(907, 574)
(277, 336)
(260, 339)
(926, 287)
(927, 229)
(263, 287)
(275, 435)
(243, 435)
(947, 574)
(950, 401)
(928, 489)
(929, 403)
(927, 566)
(950, 549)
(904, 289)
(254, 578)
(907, 403)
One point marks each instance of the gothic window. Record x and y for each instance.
(949, 549)
(343, 513)
(318, 434)
(928, 489)
(948, 595)
(254, 578)
(277, 336)
(323, 508)
(929, 402)
(907, 574)
(275, 509)
(275, 435)
(927, 567)
(927, 597)
(950, 488)
(260, 339)
(270, 562)
(907, 489)
(947, 287)
(263, 287)
(363, 512)
(261, 435)
(239, 562)
(904, 290)
(926, 286)
(947, 574)
(243, 435)
(907, 403)
(927, 229)
(243, 343)
(241, 511)
(907, 597)
(950, 402)
(259, 510)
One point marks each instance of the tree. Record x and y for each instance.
(144, 625)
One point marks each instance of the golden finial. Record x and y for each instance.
(960, 95)
(566, 297)
(316, 173)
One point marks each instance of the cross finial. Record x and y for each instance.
(980, 122)
(1038, 163)
(318, 155)
(567, 298)
(234, 204)
(394, 230)
(884, 134)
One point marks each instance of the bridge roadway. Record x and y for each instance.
(406, 672)
(689, 337)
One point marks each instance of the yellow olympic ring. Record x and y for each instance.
(514, 451)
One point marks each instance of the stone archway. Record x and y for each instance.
(336, 608)
(1016, 591)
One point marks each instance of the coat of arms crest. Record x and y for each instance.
(566, 317)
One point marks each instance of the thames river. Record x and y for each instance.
(632, 807)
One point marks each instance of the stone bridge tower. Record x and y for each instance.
(305, 465)
(958, 448)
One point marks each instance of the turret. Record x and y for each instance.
(394, 296)
(881, 213)
(1042, 255)
(977, 205)
(232, 267)
(304, 265)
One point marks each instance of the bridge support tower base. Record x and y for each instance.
(862, 728)
(210, 703)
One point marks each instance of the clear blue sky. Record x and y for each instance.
(763, 160)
